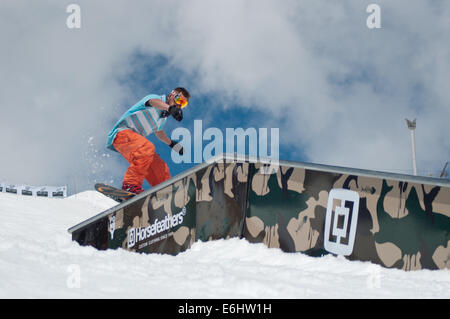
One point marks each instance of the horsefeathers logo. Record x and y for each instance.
(112, 225)
(341, 221)
(136, 235)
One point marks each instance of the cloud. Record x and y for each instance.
(340, 91)
(343, 89)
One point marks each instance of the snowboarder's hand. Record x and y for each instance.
(165, 113)
(177, 147)
(176, 113)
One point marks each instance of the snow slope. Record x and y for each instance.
(38, 259)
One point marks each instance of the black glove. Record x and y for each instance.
(176, 112)
(177, 147)
(165, 113)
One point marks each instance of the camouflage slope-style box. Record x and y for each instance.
(221, 200)
(397, 221)
(389, 222)
(204, 205)
(160, 222)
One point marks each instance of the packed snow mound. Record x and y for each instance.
(93, 198)
(38, 259)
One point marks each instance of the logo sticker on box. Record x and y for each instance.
(341, 221)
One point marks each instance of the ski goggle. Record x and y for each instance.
(180, 100)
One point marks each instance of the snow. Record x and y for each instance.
(38, 259)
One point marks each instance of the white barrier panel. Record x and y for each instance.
(40, 191)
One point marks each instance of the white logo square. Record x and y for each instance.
(341, 221)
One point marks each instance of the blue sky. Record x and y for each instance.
(338, 91)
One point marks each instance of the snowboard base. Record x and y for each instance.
(117, 194)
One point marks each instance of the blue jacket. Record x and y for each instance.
(140, 119)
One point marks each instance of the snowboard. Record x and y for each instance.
(117, 194)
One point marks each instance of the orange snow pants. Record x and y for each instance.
(144, 162)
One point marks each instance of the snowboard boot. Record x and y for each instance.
(135, 189)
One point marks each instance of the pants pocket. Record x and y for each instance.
(121, 139)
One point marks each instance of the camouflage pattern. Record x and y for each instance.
(163, 221)
(206, 205)
(221, 200)
(400, 224)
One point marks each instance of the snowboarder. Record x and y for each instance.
(128, 137)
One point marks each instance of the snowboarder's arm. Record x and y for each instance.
(166, 108)
(173, 145)
(157, 103)
(163, 137)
